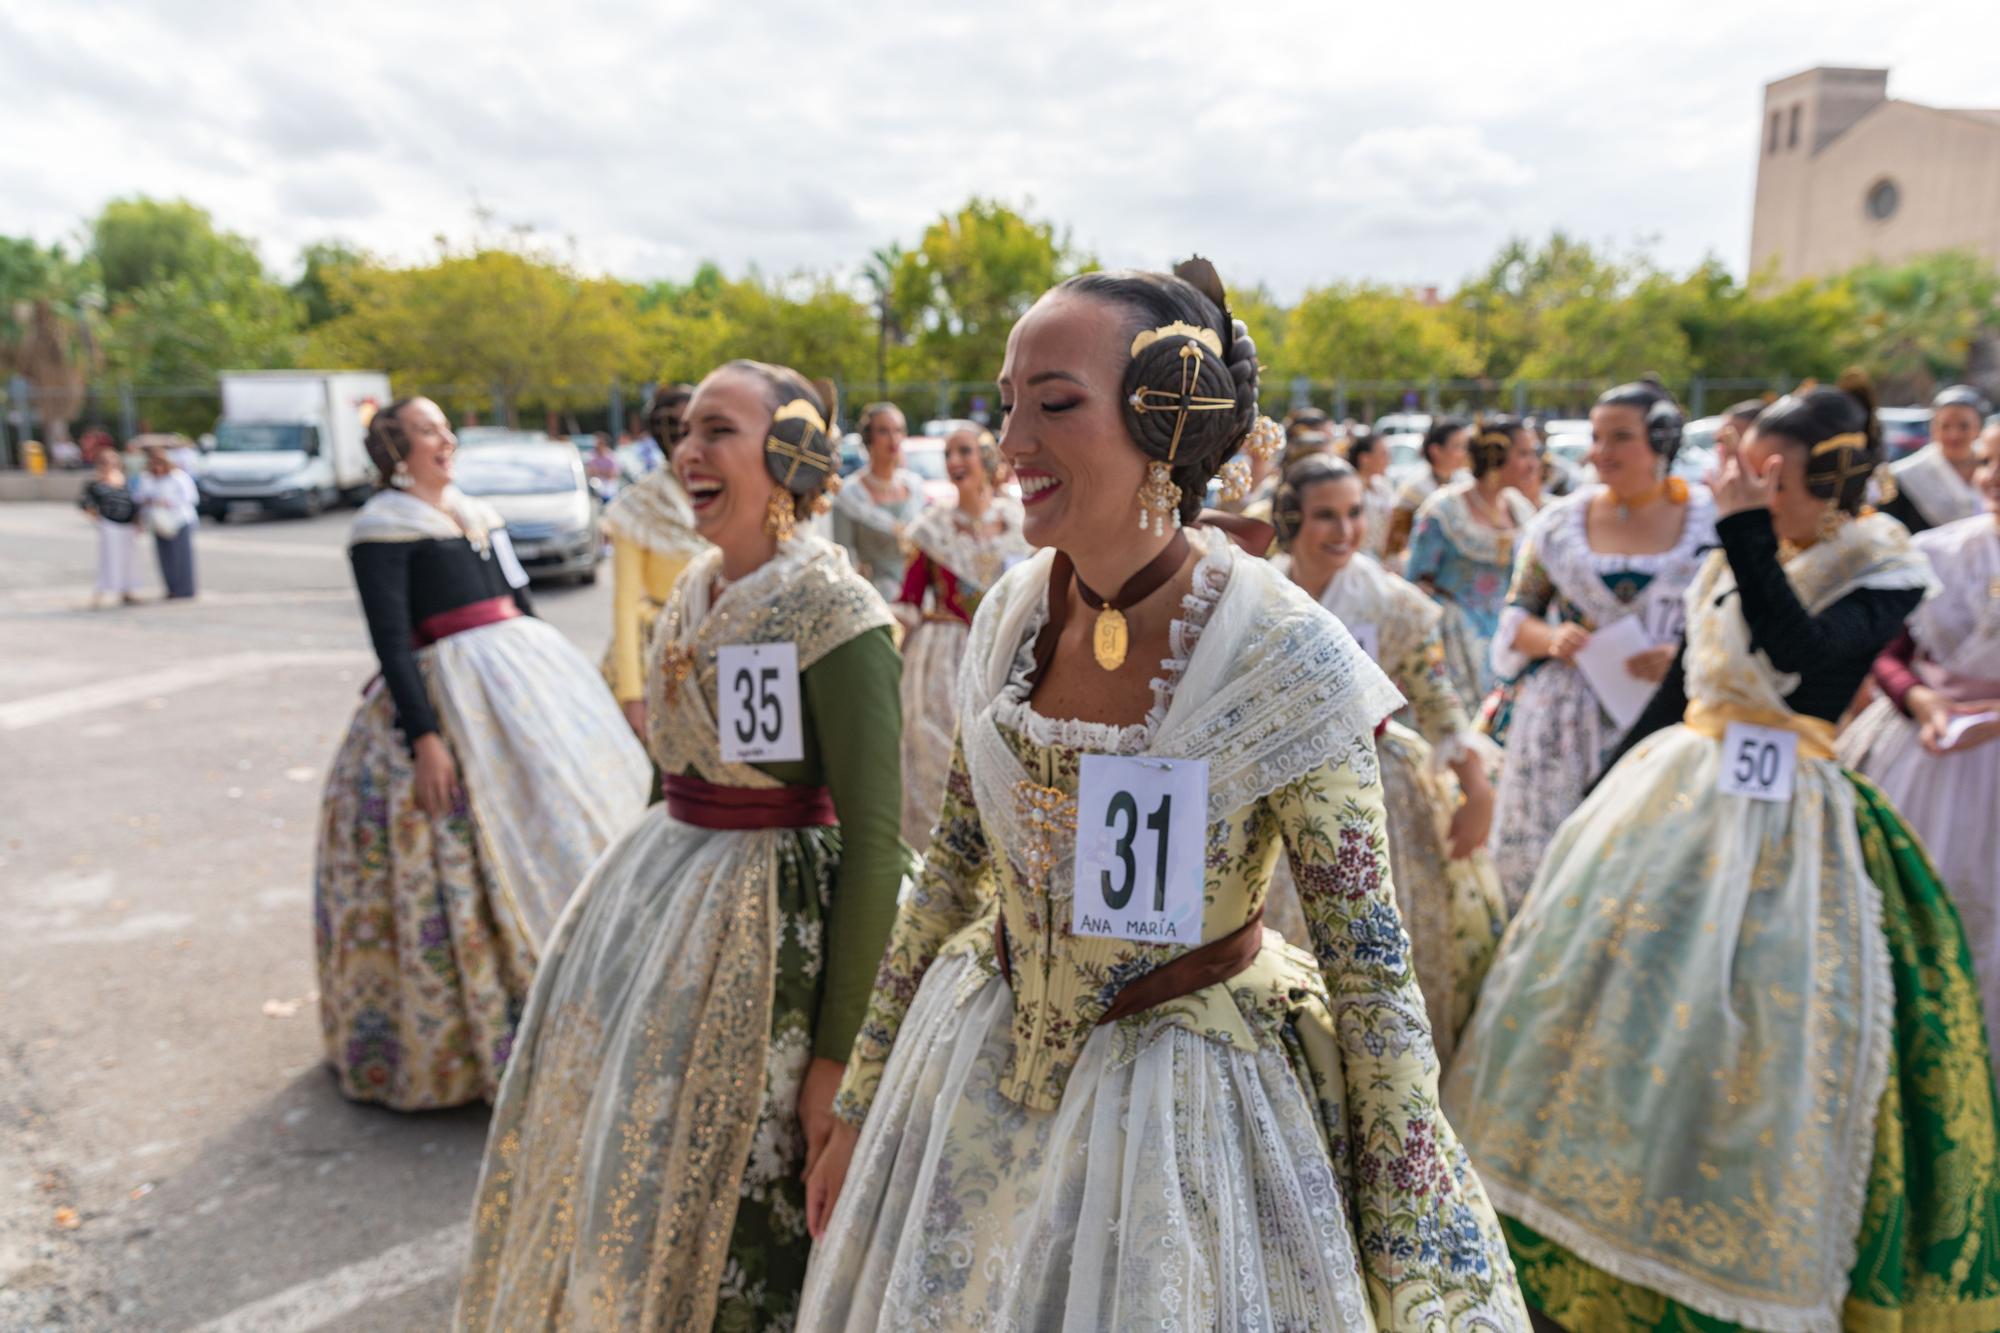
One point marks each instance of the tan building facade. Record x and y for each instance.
(1846, 173)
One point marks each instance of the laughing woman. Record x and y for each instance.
(1934, 485)
(689, 1024)
(1728, 1070)
(1434, 782)
(961, 551)
(1085, 1107)
(440, 872)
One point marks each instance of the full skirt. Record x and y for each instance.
(1558, 739)
(642, 1167)
(427, 929)
(1952, 804)
(931, 655)
(1181, 1184)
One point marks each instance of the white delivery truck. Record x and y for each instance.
(290, 441)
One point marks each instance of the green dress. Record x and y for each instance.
(634, 1176)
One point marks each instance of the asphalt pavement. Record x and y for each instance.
(173, 1154)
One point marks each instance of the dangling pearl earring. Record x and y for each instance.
(400, 478)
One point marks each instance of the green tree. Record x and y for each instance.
(139, 241)
(974, 273)
(46, 329)
(320, 263)
(808, 322)
(1757, 330)
(483, 325)
(1364, 331)
(1918, 318)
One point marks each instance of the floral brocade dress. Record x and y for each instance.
(1452, 909)
(1262, 1152)
(956, 560)
(1728, 1070)
(643, 1166)
(1466, 564)
(1556, 734)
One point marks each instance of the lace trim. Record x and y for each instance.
(1697, 530)
(1013, 711)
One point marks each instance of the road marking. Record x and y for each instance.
(59, 704)
(322, 1300)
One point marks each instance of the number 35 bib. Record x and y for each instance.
(1141, 825)
(757, 703)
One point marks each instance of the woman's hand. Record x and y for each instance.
(1935, 713)
(815, 1106)
(1652, 664)
(635, 716)
(437, 777)
(1566, 641)
(1473, 820)
(1738, 489)
(824, 1183)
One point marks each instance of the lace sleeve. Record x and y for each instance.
(1430, 1242)
(946, 896)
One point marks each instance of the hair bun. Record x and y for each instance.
(1183, 403)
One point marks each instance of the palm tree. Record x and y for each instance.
(880, 275)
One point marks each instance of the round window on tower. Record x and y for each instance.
(1883, 197)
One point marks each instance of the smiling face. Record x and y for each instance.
(1619, 450)
(1795, 511)
(1523, 468)
(721, 460)
(1955, 428)
(1332, 524)
(886, 433)
(1065, 431)
(431, 444)
(964, 467)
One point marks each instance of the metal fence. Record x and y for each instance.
(125, 410)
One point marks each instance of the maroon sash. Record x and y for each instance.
(473, 615)
(707, 805)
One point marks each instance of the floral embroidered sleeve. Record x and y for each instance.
(1429, 548)
(1431, 1246)
(1440, 714)
(948, 895)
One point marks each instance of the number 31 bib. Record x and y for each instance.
(1140, 829)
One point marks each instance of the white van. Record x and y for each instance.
(290, 441)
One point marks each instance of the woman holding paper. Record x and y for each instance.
(691, 1018)
(1611, 561)
(1728, 1069)
(1463, 549)
(1932, 743)
(1092, 1092)
(1434, 782)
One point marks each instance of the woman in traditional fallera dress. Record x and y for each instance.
(651, 528)
(1728, 1070)
(1369, 455)
(1628, 545)
(1065, 1121)
(960, 552)
(1933, 486)
(1943, 668)
(692, 1017)
(1463, 551)
(1445, 445)
(873, 511)
(1434, 784)
(440, 875)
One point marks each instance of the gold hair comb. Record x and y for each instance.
(1208, 338)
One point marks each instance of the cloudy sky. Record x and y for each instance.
(1295, 143)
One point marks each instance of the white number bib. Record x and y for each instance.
(757, 702)
(1369, 637)
(1665, 617)
(1758, 762)
(1141, 828)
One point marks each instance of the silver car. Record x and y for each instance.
(540, 489)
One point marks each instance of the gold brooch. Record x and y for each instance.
(678, 664)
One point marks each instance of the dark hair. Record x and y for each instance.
(1962, 395)
(1288, 510)
(1746, 411)
(387, 442)
(1193, 295)
(1361, 441)
(1301, 419)
(1442, 430)
(864, 424)
(1657, 409)
(1493, 442)
(782, 386)
(1816, 418)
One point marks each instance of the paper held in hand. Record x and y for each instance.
(1602, 662)
(1955, 729)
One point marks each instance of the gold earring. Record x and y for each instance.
(1159, 501)
(780, 515)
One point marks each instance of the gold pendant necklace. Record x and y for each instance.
(1111, 636)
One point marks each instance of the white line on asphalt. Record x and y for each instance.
(185, 676)
(322, 1300)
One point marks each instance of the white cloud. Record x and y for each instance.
(1298, 143)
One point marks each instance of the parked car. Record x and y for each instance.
(924, 455)
(539, 488)
(1403, 423)
(1406, 456)
(1904, 430)
(479, 437)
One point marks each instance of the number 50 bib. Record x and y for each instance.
(1140, 829)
